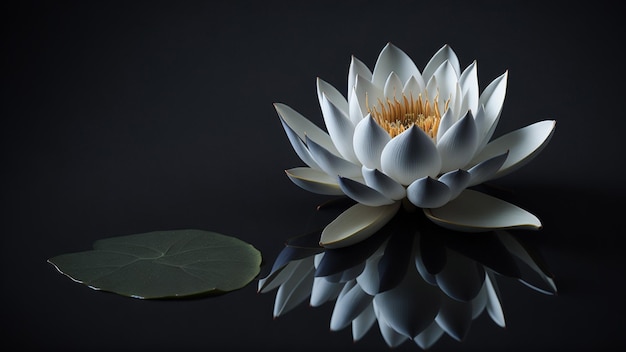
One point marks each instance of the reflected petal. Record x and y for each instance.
(455, 318)
(494, 306)
(473, 211)
(363, 323)
(356, 224)
(296, 289)
(392, 337)
(324, 291)
(429, 336)
(348, 307)
(461, 277)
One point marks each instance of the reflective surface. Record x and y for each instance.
(412, 280)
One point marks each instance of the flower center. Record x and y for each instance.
(396, 116)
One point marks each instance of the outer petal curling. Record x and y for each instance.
(523, 145)
(314, 181)
(409, 156)
(383, 183)
(369, 141)
(362, 193)
(473, 211)
(356, 224)
(427, 192)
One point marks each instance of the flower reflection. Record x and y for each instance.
(414, 281)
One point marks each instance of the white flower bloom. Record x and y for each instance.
(399, 133)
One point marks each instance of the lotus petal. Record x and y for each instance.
(414, 87)
(369, 280)
(392, 59)
(356, 114)
(324, 291)
(447, 79)
(314, 181)
(491, 100)
(348, 307)
(390, 335)
(296, 289)
(445, 53)
(473, 211)
(458, 144)
(330, 163)
(299, 147)
(461, 277)
(367, 94)
(427, 192)
(448, 119)
(363, 322)
(470, 89)
(383, 183)
(409, 156)
(494, 306)
(410, 307)
(356, 224)
(362, 193)
(480, 302)
(393, 87)
(332, 94)
(456, 181)
(339, 127)
(429, 336)
(369, 141)
(357, 68)
(455, 317)
(523, 145)
(487, 169)
(278, 277)
(304, 128)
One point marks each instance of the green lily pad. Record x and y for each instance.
(164, 264)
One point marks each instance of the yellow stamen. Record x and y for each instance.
(396, 116)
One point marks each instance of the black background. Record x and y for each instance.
(129, 117)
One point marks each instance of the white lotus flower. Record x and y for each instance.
(424, 137)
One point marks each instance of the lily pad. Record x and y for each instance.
(164, 264)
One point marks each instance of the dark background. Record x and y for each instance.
(129, 117)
